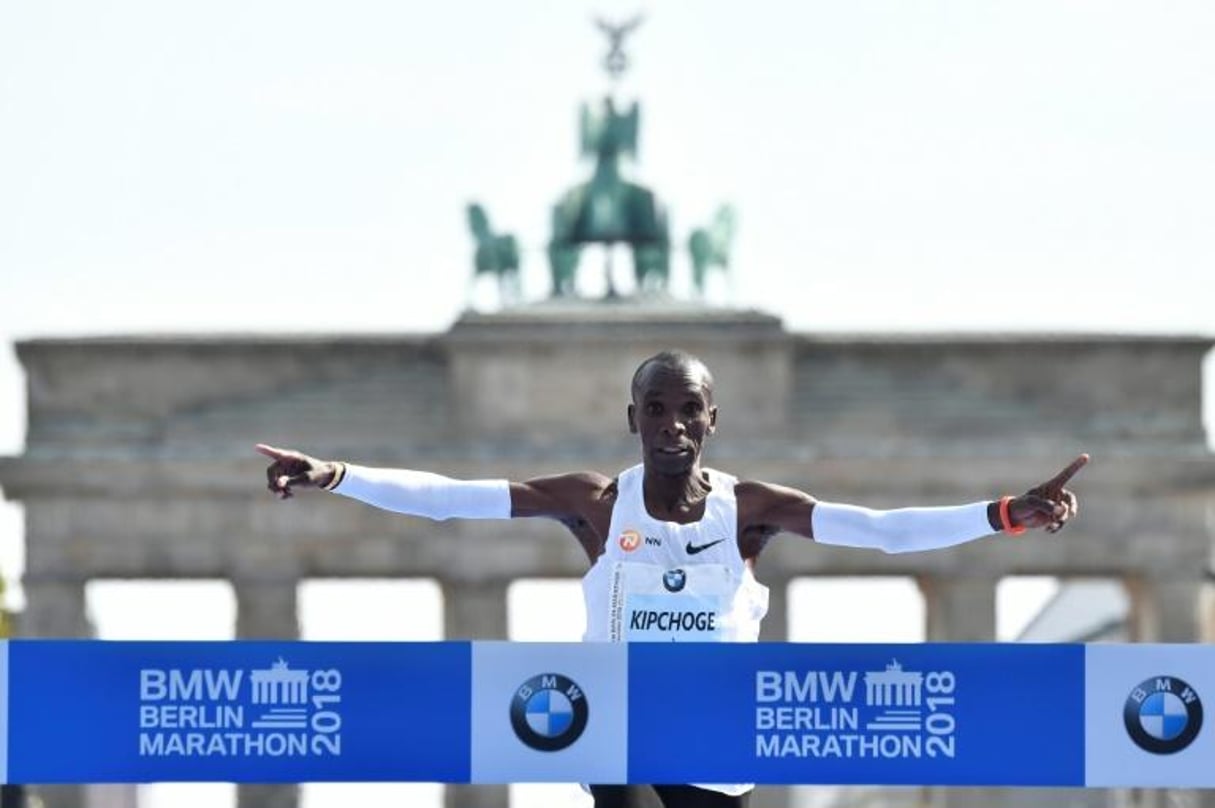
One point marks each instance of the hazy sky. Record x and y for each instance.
(301, 166)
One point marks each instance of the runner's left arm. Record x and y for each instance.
(764, 507)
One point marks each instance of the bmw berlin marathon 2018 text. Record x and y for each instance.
(822, 714)
(272, 711)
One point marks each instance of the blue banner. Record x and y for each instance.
(890, 714)
(95, 712)
(710, 713)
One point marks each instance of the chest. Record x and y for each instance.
(639, 538)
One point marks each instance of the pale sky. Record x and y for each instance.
(274, 166)
(297, 166)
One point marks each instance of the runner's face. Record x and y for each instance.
(673, 413)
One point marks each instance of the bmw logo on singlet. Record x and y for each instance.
(1162, 715)
(548, 712)
(674, 580)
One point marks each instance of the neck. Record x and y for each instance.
(675, 492)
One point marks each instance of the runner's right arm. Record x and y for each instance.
(581, 501)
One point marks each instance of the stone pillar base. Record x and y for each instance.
(474, 611)
(959, 609)
(771, 797)
(55, 608)
(467, 796)
(267, 795)
(266, 610)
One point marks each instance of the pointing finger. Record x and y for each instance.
(1060, 479)
(270, 451)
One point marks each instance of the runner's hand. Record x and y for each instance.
(1048, 505)
(292, 468)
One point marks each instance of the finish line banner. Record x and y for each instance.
(497, 712)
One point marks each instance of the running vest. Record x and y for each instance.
(662, 581)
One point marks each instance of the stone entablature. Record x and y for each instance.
(499, 387)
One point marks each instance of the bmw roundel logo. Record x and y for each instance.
(1162, 715)
(548, 712)
(674, 580)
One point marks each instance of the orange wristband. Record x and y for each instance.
(1006, 522)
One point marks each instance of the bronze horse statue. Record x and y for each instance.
(496, 254)
(710, 247)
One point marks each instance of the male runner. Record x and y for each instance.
(709, 527)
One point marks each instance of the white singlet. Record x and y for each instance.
(663, 581)
(667, 582)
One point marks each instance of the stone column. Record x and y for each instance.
(1168, 610)
(474, 611)
(55, 608)
(267, 795)
(960, 610)
(1170, 797)
(111, 795)
(771, 797)
(266, 610)
(1206, 613)
(775, 627)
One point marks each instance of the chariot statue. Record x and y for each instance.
(607, 209)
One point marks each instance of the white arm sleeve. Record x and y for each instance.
(906, 530)
(420, 493)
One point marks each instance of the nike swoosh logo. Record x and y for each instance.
(693, 549)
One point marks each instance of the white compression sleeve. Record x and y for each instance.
(421, 493)
(905, 530)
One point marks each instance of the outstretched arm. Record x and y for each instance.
(568, 497)
(769, 508)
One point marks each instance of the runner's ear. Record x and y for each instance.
(632, 416)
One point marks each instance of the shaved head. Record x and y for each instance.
(676, 362)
